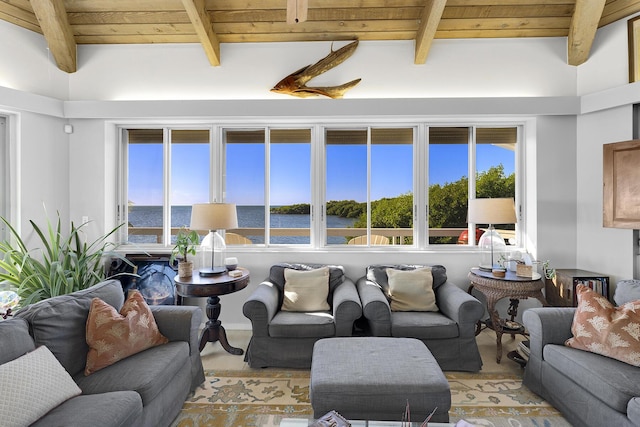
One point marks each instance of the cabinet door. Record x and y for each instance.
(621, 179)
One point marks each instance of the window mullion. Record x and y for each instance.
(122, 211)
(369, 185)
(472, 182)
(421, 187)
(217, 183)
(318, 187)
(267, 186)
(166, 205)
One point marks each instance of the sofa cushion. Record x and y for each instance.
(112, 336)
(288, 324)
(306, 290)
(336, 276)
(411, 290)
(115, 409)
(423, 325)
(601, 328)
(59, 322)
(609, 380)
(15, 339)
(627, 291)
(377, 273)
(31, 386)
(146, 373)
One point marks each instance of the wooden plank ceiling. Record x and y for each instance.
(66, 23)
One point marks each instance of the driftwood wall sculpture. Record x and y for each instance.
(295, 84)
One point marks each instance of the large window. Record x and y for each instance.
(322, 185)
(464, 162)
(167, 171)
(285, 203)
(369, 186)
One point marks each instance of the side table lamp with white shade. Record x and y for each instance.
(492, 211)
(213, 217)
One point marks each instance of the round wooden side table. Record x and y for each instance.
(511, 286)
(213, 287)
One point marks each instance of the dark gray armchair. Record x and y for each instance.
(286, 338)
(449, 333)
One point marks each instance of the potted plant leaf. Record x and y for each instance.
(186, 243)
(62, 262)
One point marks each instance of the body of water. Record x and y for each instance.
(248, 217)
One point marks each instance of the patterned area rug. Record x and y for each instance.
(262, 398)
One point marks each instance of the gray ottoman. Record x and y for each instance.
(371, 378)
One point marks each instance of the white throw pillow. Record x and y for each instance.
(306, 290)
(411, 290)
(31, 386)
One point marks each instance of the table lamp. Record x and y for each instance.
(491, 211)
(213, 217)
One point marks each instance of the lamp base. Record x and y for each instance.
(214, 271)
(485, 267)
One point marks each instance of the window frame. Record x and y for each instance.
(318, 128)
(10, 181)
(370, 129)
(472, 171)
(121, 207)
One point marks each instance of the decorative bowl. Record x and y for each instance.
(499, 272)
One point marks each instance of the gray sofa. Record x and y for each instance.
(589, 389)
(448, 333)
(146, 389)
(285, 338)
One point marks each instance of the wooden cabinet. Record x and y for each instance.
(561, 290)
(621, 184)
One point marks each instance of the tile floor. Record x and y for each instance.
(215, 357)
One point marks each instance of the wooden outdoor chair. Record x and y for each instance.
(236, 239)
(376, 239)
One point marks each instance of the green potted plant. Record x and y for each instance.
(61, 265)
(186, 243)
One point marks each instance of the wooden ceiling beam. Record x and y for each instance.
(429, 22)
(582, 31)
(196, 9)
(52, 17)
(297, 11)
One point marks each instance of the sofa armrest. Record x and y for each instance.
(179, 323)
(346, 307)
(182, 323)
(459, 306)
(261, 306)
(375, 307)
(633, 411)
(547, 325)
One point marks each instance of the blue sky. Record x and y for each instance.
(391, 165)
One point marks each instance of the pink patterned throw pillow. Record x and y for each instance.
(113, 336)
(600, 327)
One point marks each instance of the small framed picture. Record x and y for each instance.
(634, 49)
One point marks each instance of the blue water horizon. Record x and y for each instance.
(249, 216)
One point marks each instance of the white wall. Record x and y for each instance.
(604, 250)
(43, 169)
(92, 175)
(555, 198)
(27, 65)
(454, 68)
(608, 64)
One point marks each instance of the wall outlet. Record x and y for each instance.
(85, 219)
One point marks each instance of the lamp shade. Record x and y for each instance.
(492, 211)
(214, 216)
